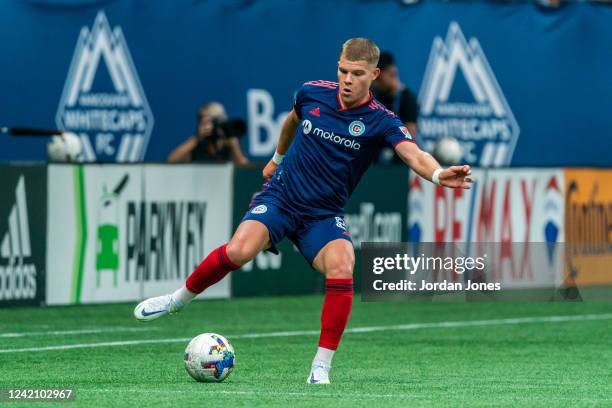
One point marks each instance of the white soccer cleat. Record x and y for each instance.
(319, 373)
(154, 308)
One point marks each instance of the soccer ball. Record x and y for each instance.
(64, 148)
(448, 151)
(209, 357)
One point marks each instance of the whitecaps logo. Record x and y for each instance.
(356, 128)
(307, 126)
(479, 117)
(260, 209)
(114, 121)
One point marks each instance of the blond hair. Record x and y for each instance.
(214, 110)
(360, 49)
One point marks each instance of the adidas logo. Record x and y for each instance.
(316, 112)
(17, 278)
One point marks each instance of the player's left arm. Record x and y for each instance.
(427, 167)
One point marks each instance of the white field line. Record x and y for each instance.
(370, 329)
(68, 332)
(263, 392)
(315, 394)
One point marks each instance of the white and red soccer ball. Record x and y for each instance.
(209, 357)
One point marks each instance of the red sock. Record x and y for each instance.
(212, 269)
(336, 311)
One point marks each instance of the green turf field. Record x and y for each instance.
(482, 359)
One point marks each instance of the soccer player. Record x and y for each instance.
(326, 144)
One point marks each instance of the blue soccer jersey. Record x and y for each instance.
(332, 148)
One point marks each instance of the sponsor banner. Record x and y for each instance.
(23, 225)
(130, 232)
(375, 213)
(187, 212)
(377, 210)
(588, 226)
(522, 205)
(503, 206)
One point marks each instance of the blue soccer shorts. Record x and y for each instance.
(310, 235)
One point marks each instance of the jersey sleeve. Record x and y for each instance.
(396, 132)
(298, 101)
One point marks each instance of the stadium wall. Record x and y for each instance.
(122, 233)
(74, 234)
(568, 210)
(23, 235)
(517, 84)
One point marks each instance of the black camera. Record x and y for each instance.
(232, 127)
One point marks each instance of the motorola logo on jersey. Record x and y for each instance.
(330, 136)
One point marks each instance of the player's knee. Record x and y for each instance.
(240, 251)
(341, 268)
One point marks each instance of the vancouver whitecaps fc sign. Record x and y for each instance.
(478, 115)
(105, 104)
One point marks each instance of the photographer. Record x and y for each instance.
(396, 97)
(215, 139)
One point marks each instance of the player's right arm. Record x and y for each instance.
(422, 162)
(284, 141)
(427, 167)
